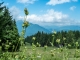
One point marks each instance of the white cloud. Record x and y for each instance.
(26, 1)
(49, 16)
(55, 2)
(52, 17)
(15, 12)
(72, 8)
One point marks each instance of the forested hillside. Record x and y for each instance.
(68, 38)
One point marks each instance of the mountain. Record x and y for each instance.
(70, 27)
(34, 28)
(64, 28)
(31, 29)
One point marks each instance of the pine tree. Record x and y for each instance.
(9, 33)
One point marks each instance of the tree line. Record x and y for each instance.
(57, 39)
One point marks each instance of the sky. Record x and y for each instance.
(46, 12)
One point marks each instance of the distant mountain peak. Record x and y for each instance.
(32, 28)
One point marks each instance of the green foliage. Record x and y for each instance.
(8, 31)
(63, 38)
(41, 38)
(26, 11)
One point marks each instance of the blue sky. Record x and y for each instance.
(46, 12)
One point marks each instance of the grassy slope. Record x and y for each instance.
(51, 53)
(42, 53)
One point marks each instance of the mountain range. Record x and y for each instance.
(64, 28)
(34, 28)
(31, 29)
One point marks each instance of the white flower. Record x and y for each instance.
(39, 56)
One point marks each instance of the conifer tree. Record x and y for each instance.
(8, 31)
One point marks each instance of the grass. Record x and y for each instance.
(42, 53)
(50, 53)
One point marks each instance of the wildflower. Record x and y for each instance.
(26, 11)
(54, 32)
(25, 24)
(3, 54)
(45, 46)
(58, 40)
(51, 43)
(61, 49)
(39, 56)
(38, 44)
(7, 46)
(77, 44)
(77, 50)
(51, 51)
(23, 32)
(54, 49)
(17, 56)
(53, 35)
(10, 43)
(25, 47)
(33, 45)
(69, 45)
(0, 40)
(33, 38)
(64, 38)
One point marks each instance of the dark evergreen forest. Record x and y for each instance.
(65, 38)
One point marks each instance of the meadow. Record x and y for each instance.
(51, 53)
(42, 53)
